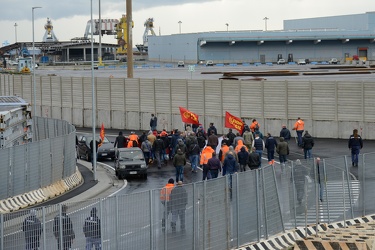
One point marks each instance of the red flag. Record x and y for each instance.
(102, 133)
(188, 116)
(232, 121)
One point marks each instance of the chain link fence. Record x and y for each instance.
(221, 213)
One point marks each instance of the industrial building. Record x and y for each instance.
(316, 39)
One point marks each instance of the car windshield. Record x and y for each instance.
(131, 155)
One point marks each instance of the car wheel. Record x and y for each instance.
(88, 157)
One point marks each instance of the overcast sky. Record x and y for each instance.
(70, 17)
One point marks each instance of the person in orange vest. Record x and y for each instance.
(133, 140)
(165, 194)
(239, 146)
(299, 127)
(223, 151)
(205, 156)
(254, 126)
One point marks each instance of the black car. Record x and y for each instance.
(105, 150)
(130, 162)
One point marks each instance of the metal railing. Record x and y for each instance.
(221, 213)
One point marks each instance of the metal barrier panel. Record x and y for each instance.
(213, 218)
(245, 215)
(33, 168)
(5, 156)
(45, 162)
(57, 147)
(366, 177)
(19, 170)
(271, 204)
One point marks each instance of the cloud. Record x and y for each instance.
(21, 10)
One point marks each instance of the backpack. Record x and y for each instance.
(247, 137)
(257, 126)
(201, 141)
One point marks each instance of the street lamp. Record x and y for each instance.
(265, 22)
(227, 24)
(179, 23)
(15, 30)
(33, 63)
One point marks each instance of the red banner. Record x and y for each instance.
(102, 133)
(188, 116)
(232, 121)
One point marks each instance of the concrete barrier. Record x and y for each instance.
(40, 195)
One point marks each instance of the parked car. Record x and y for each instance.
(130, 162)
(209, 63)
(333, 61)
(105, 150)
(180, 64)
(281, 61)
(301, 62)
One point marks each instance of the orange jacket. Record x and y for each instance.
(133, 137)
(224, 149)
(299, 125)
(206, 155)
(253, 125)
(239, 146)
(165, 192)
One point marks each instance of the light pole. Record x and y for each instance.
(33, 63)
(227, 24)
(15, 30)
(265, 22)
(93, 99)
(179, 24)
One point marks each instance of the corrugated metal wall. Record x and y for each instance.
(330, 108)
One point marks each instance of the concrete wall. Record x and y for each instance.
(330, 109)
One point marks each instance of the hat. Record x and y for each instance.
(132, 132)
(179, 183)
(171, 181)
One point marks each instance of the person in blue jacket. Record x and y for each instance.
(355, 144)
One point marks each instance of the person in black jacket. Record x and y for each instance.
(63, 231)
(307, 144)
(270, 145)
(214, 166)
(32, 227)
(92, 231)
(158, 148)
(254, 159)
(285, 133)
(355, 144)
(178, 200)
(120, 141)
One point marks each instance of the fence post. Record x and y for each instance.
(326, 190)
(101, 220)
(44, 228)
(294, 194)
(363, 184)
(238, 210)
(264, 205)
(151, 222)
(195, 218)
(2, 231)
(343, 200)
(257, 173)
(349, 187)
(117, 222)
(278, 198)
(317, 194)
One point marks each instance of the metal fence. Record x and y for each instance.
(222, 213)
(330, 109)
(50, 158)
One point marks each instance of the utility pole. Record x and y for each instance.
(15, 30)
(227, 24)
(179, 23)
(129, 36)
